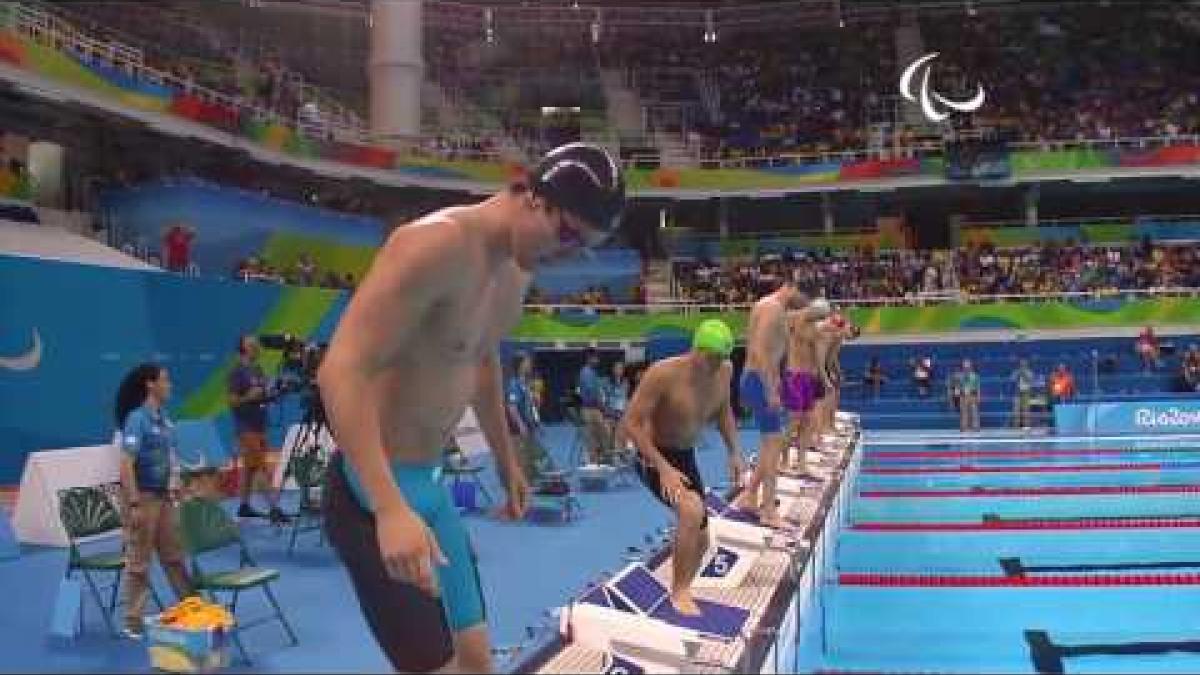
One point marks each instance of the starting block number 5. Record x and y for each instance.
(721, 564)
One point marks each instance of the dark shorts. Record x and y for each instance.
(414, 629)
(684, 461)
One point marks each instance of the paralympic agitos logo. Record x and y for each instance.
(934, 106)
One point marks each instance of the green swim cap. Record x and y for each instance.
(713, 336)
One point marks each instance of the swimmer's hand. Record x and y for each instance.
(408, 548)
(673, 482)
(518, 497)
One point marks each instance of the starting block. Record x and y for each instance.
(725, 565)
(798, 487)
(596, 477)
(620, 664)
(722, 510)
(552, 509)
(635, 608)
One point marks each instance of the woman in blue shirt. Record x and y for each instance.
(148, 488)
(616, 398)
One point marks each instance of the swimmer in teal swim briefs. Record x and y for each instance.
(416, 345)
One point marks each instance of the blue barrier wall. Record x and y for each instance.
(233, 224)
(230, 224)
(618, 269)
(95, 323)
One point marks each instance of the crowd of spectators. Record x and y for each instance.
(900, 276)
(1094, 72)
(304, 272)
(1089, 72)
(201, 56)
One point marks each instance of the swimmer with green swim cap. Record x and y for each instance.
(675, 400)
(713, 337)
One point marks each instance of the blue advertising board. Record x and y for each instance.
(1180, 416)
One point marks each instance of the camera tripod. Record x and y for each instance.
(306, 461)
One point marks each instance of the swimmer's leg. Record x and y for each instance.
(472, 651)
(691, 542)
(768, 462)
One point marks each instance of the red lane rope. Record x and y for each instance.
(1059, 468)
(995, 581)
(1048, 491)
(1031, 524)
(1001, 454)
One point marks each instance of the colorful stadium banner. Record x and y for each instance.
(70, 332)
(1141, 417)
(775, 173)
(947, 318)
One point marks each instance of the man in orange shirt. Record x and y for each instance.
(1062, 384)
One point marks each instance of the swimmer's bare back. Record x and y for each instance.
(766, 336)
(437, 300)
(802, 336)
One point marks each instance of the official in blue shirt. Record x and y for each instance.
(591, 401)
(148, 489)
(523, 418)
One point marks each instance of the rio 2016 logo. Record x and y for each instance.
(934, 106)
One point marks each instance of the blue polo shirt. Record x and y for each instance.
(520, 397)
(149, 438)
(616, 395)
(250, 417)
(591, 390)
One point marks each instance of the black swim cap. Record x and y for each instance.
(583, 180)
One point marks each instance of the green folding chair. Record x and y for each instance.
(206, 527)
(88, 516)
(309, 470)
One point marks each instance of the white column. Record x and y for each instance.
(396, 70)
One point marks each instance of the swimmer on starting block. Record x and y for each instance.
(416, 344)
(802, 387)
(760, 390)
(676, 398)
(831, 334)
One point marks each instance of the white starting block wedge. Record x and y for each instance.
(635, 608)
(623, 664)
(719, 509)
(596, 477)
(798, 487)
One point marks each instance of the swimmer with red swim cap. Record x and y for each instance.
(831, 334)
(416, 345)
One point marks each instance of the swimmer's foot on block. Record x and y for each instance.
(746, 502)
(772, 520)
(684, 603)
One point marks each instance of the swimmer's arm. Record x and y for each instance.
(378, 325)
(637, 424)
(763, 342)
(727, 423)
(490, 413)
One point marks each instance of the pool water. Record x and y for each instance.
(1036, 555)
